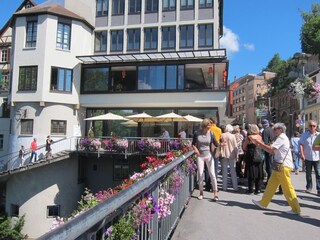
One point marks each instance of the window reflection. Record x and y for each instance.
(95, 79)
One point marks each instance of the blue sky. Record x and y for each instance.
(254, 30)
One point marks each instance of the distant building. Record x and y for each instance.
(246, 91)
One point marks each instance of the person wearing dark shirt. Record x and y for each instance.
(267, 138)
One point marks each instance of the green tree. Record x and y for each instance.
(281, 68)
(310, 31)
(11, 230)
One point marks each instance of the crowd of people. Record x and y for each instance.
(262, 157)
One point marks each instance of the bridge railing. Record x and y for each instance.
(14, 160)
(93, 223)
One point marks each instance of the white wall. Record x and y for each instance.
(34, 190)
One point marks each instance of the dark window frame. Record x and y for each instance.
(206, 33)
(117, 9)
(189, 4)
(66, 72)
(205, 4)
(117, 36)
(149, 33)
(188, 33)
(1, 141)
(102, 8)
(102, 36)
(134, 7)
(169, 7)
(53, 211)
(23, 84)
(136, 34)
(171, 31)
(60, 131)
(152, 6)
(26, 126)
(64, 42)
(123, 165)
(4, 55)
(31, 33)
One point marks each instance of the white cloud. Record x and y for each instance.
(230, 41)
(249, 46)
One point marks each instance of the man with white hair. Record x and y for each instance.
(229, 153)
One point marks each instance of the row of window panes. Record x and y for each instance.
(58, 127)
(238, 92)
(241, 99)
(205, 38)
(151, 6)
(240, 108)
(146, 78)
(63, 39)
(61, 79)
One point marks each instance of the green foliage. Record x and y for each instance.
(11, 230)
(310, 30)
(282, 68)
(123, 230)
(88, 200)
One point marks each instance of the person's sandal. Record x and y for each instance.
(200, 197)
(215, 199)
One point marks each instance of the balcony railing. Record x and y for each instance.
(93, 223)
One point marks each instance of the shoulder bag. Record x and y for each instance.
(277, 166)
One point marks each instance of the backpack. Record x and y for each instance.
(254, 153)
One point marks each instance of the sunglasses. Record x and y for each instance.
(312, 125)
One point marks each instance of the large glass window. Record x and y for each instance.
(168, 37)
(205, 3)
(134, 6)
(175, 77)
(61, 79)
(123, 78)
(150, 38)
(100, 39)
(95, 79)
(151, 6)
(133, 39)
(63, 36)
(199, 76)
(151, 77)
(31, 39)
(28, 78)
(187, 4)
(117, 7)
(169, 5)
(102, 8)
(205, 35)
(58, 127)
(4, 55)
(186, 36)
(116, 40)
(26, 126)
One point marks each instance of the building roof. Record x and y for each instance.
(54, 9)
(8, 23)
(217, 55)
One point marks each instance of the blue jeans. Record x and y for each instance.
(297, 161)
(316, 167)
(216, 166)
(33, 153)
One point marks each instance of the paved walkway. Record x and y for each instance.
(235, 217)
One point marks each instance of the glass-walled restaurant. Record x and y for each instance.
(199, 72)
(145, 129)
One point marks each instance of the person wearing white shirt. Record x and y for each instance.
(165, 134)
(182, 133)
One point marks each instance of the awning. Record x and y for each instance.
(218, 54)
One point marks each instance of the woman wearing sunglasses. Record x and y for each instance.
(280, 148)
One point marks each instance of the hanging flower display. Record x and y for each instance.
(304, 88)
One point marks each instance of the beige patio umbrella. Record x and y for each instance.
(142, 117)
(171, 117)
(191, 118)
(129, 123)
(108, 116)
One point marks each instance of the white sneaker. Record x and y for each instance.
(258, 204)
(292, 212)
(200, 197)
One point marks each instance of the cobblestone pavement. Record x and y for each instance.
(235, 217)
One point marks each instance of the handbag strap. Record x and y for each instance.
(285, 155)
